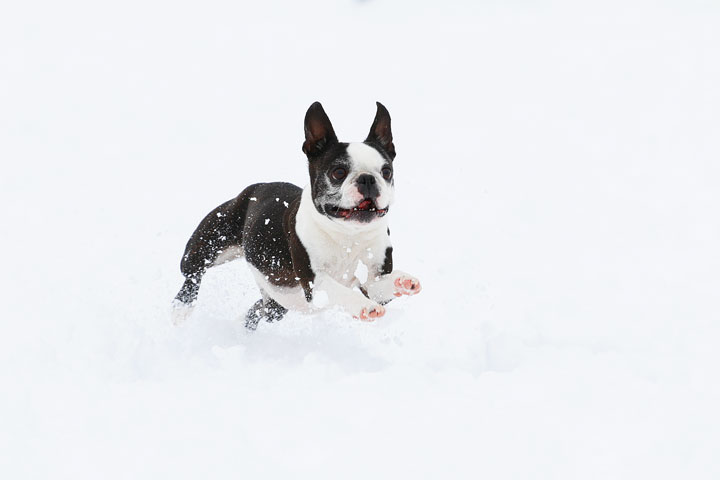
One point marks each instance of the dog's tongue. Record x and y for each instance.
(365, 205)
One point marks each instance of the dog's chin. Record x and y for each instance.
(364, 212)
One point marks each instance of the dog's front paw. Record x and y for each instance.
(406, 285)
(369, 311)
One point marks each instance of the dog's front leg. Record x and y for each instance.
(352, 301)
(384, 288)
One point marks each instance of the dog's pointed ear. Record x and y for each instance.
(380, 132)
(319, 131)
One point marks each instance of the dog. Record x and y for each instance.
(308, 247)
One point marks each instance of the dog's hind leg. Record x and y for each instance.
(217, 239)
(275, 311)
(264, 309)
(189, 291)
(254, 315)
(184, 301)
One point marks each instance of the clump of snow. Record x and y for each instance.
(557, 194)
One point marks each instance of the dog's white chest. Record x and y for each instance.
(343, 254)
(343, 264)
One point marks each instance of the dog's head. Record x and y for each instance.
(350, 182)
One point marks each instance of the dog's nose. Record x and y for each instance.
(366, 179)
(367, 186)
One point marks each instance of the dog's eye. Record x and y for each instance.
(339, 173)
(386, 173)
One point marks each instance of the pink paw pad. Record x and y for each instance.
(407, 286)
(370, 316)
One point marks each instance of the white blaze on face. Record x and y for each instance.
(365, 160)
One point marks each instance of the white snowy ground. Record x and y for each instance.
(557, 182)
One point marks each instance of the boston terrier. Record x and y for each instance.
(322, 246)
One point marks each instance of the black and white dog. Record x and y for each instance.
(307, 247)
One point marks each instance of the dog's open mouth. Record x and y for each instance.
(364, 211)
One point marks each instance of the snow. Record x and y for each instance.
(557, 194)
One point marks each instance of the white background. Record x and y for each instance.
(557, 193)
